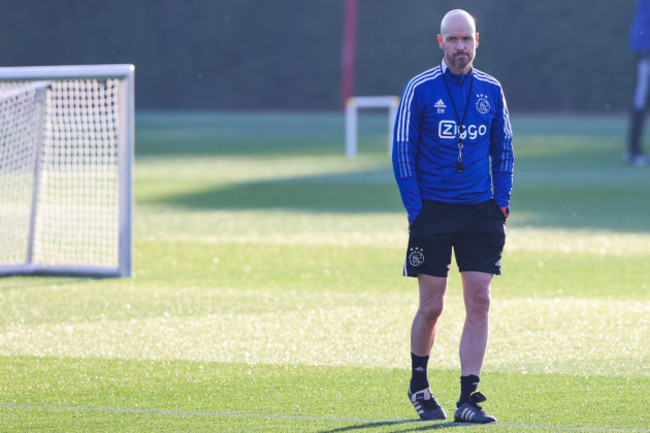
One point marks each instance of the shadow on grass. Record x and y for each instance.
(348, 192)
(568, 171)
(614, 207)
(417, 425)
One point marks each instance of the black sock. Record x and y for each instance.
(419, 379)
(468, 384)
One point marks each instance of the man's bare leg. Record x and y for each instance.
(473, 342)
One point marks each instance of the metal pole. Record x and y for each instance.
(351, 129)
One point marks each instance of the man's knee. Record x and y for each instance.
(477, 293)
(478, 303)
(431, 311)
(432, 296)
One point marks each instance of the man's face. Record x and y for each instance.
(459, 42)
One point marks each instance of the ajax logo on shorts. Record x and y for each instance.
(415, 257)
(449, 129)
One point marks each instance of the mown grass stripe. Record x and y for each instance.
(373, 422)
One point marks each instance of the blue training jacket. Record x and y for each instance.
(426, 136)
(640, 29)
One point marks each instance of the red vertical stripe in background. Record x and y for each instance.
(348, 53)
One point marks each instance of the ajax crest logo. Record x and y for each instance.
(482, 104)
(415, 257)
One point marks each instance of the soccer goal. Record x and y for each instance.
(66, 157)
(352, 107)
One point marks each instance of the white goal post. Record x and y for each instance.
(352, 107)
(66, 167)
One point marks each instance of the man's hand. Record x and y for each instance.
(505, 211)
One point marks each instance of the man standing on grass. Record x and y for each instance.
(640, 44)
(453, 162)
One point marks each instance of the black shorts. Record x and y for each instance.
(476, 232)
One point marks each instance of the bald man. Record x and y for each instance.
(453, 163)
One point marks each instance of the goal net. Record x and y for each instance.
(66, 155)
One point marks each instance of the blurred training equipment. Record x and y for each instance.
(352, 119)
(66, 156)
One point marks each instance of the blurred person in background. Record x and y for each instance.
(640, 45)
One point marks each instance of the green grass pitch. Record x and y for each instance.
(267, 294)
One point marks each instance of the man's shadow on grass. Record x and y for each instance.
(417, 425)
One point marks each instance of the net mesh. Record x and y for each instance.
(77, 174)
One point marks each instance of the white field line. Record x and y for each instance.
(371, 422)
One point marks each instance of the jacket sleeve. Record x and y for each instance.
(501, 153)
(405, 147)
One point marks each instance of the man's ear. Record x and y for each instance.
(440, 41)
